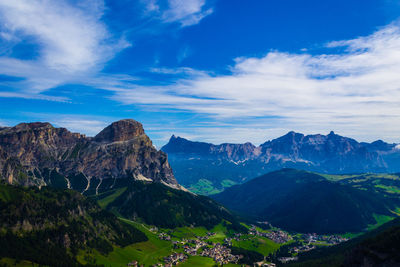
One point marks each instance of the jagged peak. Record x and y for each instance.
(121, 130)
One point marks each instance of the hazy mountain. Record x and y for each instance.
(306, 202)
(40, 154)
(227, 164)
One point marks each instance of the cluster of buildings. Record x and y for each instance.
(277, 236)
(264, 264)
(133, 264)
(329, 239)
(287, 259)
(220, 254)
(164, 236)
(174, 259)
(153, 229)
(303, 248)
(193, 245)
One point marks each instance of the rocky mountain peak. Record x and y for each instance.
(23, 127)
(122, 130)
(40, 154)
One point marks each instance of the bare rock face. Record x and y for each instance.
(122, 130)
(40, 154)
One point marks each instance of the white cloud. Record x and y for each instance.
(84, 124)
(71, 38)
(33, 96)
(151, 5)
(356, 93)
(186, 12)
(87, 126)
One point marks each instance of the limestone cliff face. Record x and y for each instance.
(122, 130)
(40, 154)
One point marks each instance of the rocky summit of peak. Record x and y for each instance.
(122, 130)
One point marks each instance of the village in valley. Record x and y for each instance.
(220, 250)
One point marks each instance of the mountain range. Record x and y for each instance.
(69, 200)
(207, 168)
(63, 194)
(119, 164)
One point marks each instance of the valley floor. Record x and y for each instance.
(197, 246)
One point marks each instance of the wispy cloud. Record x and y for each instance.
(72, 40)
(357, 91)
(185, 12)
(85, 124)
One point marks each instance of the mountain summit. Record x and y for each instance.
(122, 130)
(40, 154)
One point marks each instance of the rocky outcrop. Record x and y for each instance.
(40, 154)
(122, 130)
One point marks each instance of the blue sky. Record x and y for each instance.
(209, 70)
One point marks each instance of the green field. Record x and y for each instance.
(380, 219)
(262, 245)
(148, 253)
(103, 202)
(201, 261)
(187, 232)
(204, 187)
(198, 261)
(227, 183)
(389, 189)
(13, 262)
(364, 176)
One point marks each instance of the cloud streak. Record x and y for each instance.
(72, 41)
(356, 91)
(184, 12)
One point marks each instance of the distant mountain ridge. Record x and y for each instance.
(307, 202)
(179, 145)
(330, 153)
(40, 154)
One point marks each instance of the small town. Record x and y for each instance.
(221, 252)
(328, 239)
(277, 236)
